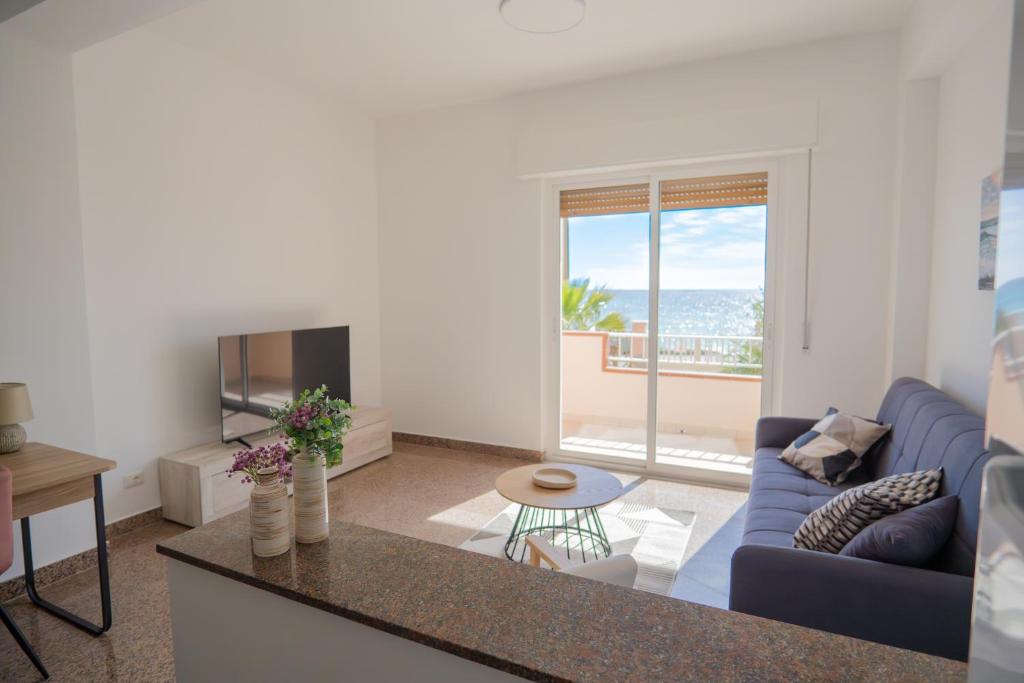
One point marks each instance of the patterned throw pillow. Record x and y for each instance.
(834, 447)
(835, 523)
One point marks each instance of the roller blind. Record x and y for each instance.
(601, 201)
(742, 189)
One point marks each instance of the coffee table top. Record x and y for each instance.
(593, 488)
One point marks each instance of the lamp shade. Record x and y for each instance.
(14, 404)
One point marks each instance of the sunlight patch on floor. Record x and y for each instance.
(665, 455)
(465, 514)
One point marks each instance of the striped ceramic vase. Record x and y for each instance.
(268, 514)
(309, 479)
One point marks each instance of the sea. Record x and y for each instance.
(693, 311)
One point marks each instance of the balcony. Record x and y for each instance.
(681, 353)
(709, 397)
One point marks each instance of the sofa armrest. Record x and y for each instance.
(908, 607)
(779, 432)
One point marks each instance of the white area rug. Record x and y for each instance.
(656, 537)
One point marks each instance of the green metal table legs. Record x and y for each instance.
(578, 531)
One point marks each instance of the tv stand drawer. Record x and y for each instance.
(363, 445)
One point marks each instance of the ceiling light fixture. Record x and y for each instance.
(542, 16)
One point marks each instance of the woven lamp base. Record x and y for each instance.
(12, 438)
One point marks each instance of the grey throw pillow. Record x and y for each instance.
(835, 523)
(834, 447)
(912, 537)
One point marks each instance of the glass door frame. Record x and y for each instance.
(585, 182)
(654, 288)
(553, 245)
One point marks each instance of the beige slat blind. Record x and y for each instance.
(601, 201)
(742, 189)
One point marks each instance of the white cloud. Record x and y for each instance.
(702, 249)
(620, 277)
(712, 277)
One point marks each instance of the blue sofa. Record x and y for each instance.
(924, 609)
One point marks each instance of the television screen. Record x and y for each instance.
(262, 371)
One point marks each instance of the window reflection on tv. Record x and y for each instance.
(262, 371)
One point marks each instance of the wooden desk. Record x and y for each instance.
(45, 478)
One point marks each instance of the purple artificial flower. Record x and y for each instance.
(302, 416)
(250, 462)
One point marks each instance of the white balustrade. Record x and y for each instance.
(709, 353)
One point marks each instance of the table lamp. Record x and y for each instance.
(14, 408)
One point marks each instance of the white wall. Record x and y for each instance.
(214, 201)
(460, 317)
(44, 340)
(972, 116)
(911, 262)
(462, 239)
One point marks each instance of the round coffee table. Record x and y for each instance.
(567, 516)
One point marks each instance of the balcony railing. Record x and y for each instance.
(686, 352)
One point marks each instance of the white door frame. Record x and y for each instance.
(551, 260)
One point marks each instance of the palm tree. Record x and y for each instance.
(583, 308)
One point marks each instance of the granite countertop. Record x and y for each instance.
(535, 623)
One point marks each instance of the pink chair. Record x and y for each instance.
(6, 558)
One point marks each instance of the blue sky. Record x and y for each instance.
(700, 249)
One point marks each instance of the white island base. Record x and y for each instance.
(226, 630)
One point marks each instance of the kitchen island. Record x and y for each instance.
(372, 605)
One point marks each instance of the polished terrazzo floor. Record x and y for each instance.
(434, 494)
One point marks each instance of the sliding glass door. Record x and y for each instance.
(605, 306)
(712, 237)
(663, 320)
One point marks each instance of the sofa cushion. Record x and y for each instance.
(910, 538)
(834, 446)
(835, 524)
(780, 499)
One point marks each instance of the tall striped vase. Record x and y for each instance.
(268, 514)
(309, 480)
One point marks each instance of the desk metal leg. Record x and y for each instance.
(101, 560)
(22, 641)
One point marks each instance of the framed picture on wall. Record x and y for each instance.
(988, 230)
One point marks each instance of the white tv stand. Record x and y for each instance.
(195, 488)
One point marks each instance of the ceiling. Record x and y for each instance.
(393, 56)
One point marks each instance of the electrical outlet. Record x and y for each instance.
(134, 479)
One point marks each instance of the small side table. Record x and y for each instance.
(570, 513)
(47, 477)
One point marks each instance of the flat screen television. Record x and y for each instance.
(262, 371)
